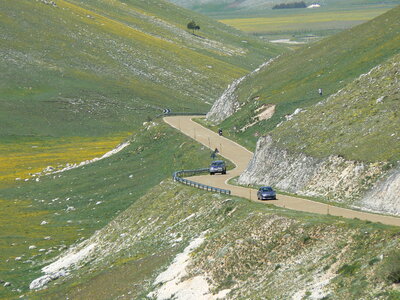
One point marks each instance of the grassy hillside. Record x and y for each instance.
(78, 202)
(78, 78)
(293, 80)
(96, 67)
(361, 122)
(250, 250)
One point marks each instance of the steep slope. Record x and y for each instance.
(340, 147)
(176, 241)
(79, 77)
(97, 66)
(42, 217)
(293, 79)
(359, 122)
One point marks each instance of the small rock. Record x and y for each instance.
(44, 223)
(70, 208)
(18, 258)
(31, 247)
(40, 282)
(6, 284)
(47, 237)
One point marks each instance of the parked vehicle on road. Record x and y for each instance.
(265, 193)
(217, 166)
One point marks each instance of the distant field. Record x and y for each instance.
(304, 20)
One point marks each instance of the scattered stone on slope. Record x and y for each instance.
(48, 2)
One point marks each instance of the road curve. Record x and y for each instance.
(241, 157)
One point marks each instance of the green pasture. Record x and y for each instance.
(80, 201)
(21, 158)
(293, 80)
(77, 79)
(362, 122)
(106, 68)
(130, 272)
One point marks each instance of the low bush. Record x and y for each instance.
(390, 270)
(348, 270)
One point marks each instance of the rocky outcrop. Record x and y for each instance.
(228, 103)
(385, 196)
(334, 178)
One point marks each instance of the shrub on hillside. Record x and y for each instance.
(348, 270)
(300, 4)
(193, 26)
(390, 269)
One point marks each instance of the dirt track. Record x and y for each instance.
(241, 157)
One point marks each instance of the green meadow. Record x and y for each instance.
(245, 241)
(292, 81)
(76, 203)
(79, 78)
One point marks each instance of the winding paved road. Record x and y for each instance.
(241, 157)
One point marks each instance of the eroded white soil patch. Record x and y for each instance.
(174, 287)
(60, 267)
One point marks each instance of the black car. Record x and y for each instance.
(265, 193)
(217, 166)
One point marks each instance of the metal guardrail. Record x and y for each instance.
(179, 114)
(177, 177)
